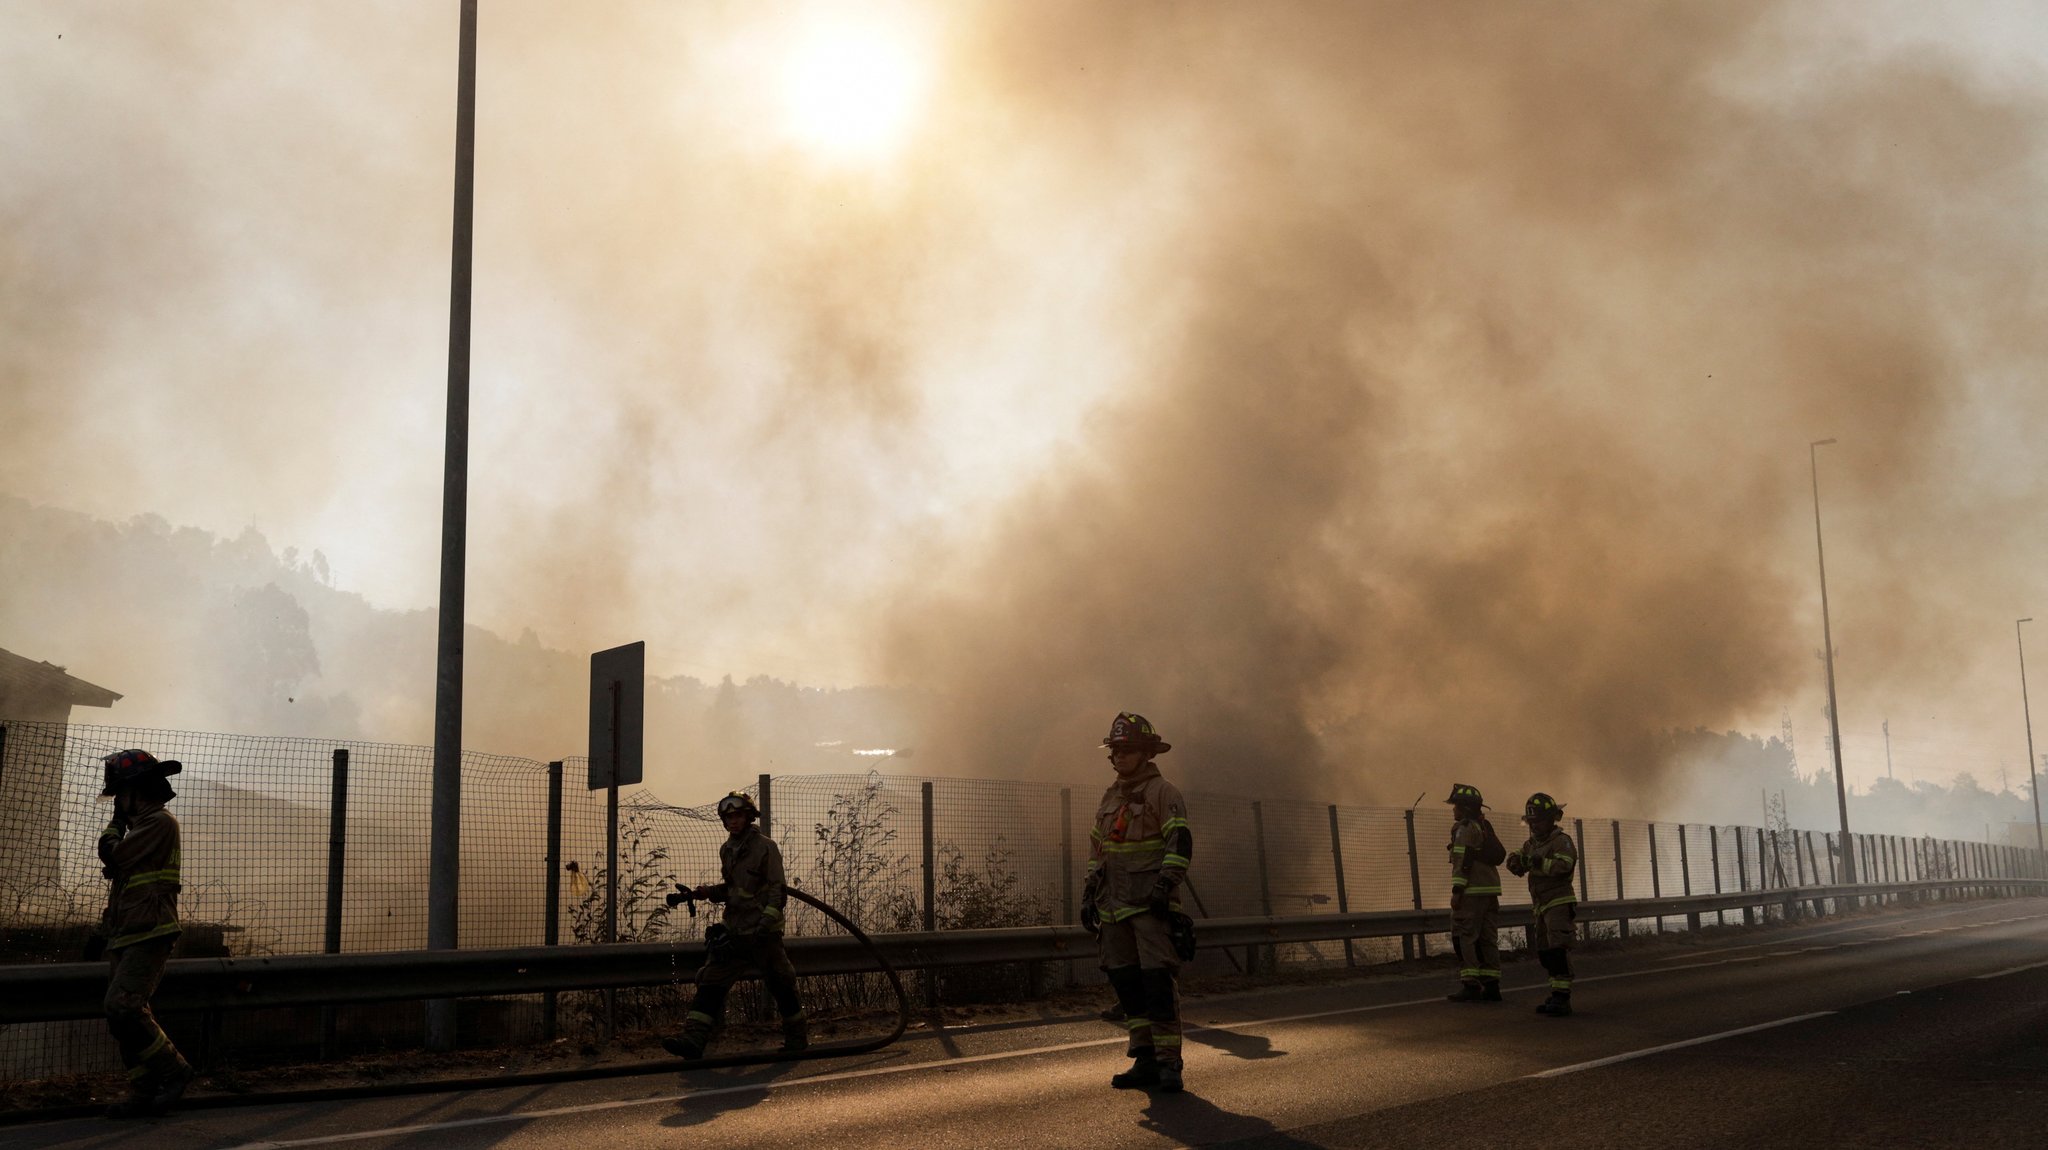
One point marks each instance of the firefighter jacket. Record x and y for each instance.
(1139, 845)
(753, 891)
(1470, 872)
(1551, 860)
(142, 870)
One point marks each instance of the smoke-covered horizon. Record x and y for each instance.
(1370, 394)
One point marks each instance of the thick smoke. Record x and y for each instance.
(1482, 344)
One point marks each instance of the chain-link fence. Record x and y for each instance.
(296, 846)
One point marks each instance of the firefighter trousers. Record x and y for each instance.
(1475, 932)
(133, 973)
(715, 978)
(1137, 955)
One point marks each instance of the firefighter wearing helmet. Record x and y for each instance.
(750, 937)
(1475, 897)
(139, 854)
(1137, 859)
(1549, 859)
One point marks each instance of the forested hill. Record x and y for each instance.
(203, 632)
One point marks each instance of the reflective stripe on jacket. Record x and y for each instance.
(753, 890)
(142, 869)
(1140, 836)
(1469, 872)
(1551, 860)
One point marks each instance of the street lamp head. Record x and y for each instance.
(2028, 619)
(1820, 443)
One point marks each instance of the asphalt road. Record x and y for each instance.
(1922, 1027)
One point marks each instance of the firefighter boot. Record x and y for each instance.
(176, 1079)
(796, 1034)
(1144, 1072)
(1489, 990)
(1558, 1005)
(136, 1105)
(1469, 992)
(1169, 1080)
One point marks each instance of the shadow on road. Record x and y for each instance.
(1191, 1120)
(1246, 1046)
(697, 1110)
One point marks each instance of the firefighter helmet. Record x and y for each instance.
(1542, 806)
(1465, 795)
(1130, 729)
(738, 802)
(135, 765)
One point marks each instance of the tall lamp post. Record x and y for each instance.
(1827, 639)
(2033, 783)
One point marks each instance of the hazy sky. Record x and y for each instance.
(1347, 383)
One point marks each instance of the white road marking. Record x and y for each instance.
(2013, 970)
(1575, 1067)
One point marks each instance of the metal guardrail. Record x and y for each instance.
(60, 991)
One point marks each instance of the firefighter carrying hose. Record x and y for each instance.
(140, 856)
(751, 935)
(1475, 897)
(1549, 858)
(1137, 858)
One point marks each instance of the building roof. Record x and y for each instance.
(26, 674)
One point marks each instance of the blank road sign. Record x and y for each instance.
(618, 679)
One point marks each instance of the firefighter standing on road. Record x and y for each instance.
(1137, 858)
(1475, 897)
(751, 935)
(1549, 858)
(140, 855)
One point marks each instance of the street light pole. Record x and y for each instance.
(2033, 783)
(444, 851)
(1827, 639)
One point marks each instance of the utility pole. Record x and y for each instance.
(1827, 639)
(1887, 748)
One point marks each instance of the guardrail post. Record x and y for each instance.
(1692, 918)
(931, 892)
(1742, 877)
(551, 895)
(1813, 861)
(1656, 882)
(1618, 892)
(1411, 944)
(1337, 859)
(1261, 957)
(337, 851)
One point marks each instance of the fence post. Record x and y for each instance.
(1714, 847)
(337, 851)
(1742, 877)
(3, 752)
(767, 805)
(1656, 880)
(1619, 893)
(1412, 943)
(1067, 855)
(1692, 918)
(931, 892)
(551, 894)
(1337, 859)
(1254, 955)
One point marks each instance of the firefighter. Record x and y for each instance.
(1137, 858)
(751, 935)
(139, 853)
(1549, 858)
(1475, 897)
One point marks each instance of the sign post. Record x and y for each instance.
(618, 679)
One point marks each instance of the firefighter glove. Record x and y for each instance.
(1517, 864)
(1161, 895)
(1091, 918)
